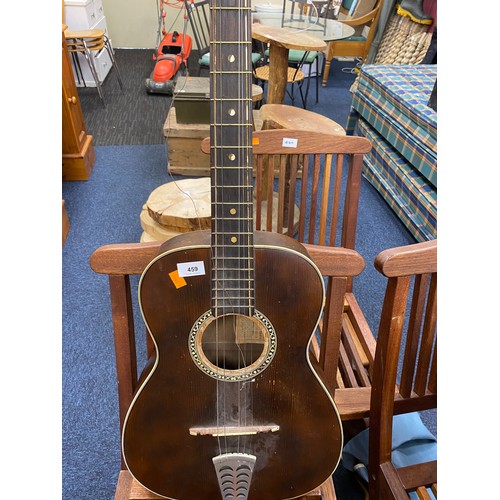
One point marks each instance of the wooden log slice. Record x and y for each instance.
(157, 231)
(181, 204)
(147, 238)
(153, 231)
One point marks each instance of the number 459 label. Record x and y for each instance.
(186, 269)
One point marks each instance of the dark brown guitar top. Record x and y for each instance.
(161, 451)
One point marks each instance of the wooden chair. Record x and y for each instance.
(411, 273)
(357, 45)
(327, 215)
(122, 261)
(295, 76)
(198, 14)
(88, 42)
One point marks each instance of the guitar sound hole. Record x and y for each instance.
(233, 341)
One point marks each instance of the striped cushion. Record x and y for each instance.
(412, 197)
(393, 100)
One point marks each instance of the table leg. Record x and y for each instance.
(278, 74)
(328, 61)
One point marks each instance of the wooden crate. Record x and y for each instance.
(183, 141)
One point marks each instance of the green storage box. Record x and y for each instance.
(192, 99)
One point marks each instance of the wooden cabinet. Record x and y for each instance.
(78, 156)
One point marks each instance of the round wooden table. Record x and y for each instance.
(283, 34)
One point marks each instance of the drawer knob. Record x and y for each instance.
(72, 100)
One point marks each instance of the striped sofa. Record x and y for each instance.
(389, 107)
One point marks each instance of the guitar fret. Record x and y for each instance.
(239, 9)
(246, 186)
(231, 146)
(225, 42)
(226, 99)
(232, 233)
(230, 203)
(216, 257)
(232, 72)
(232, 125)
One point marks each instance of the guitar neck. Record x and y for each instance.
(231, 157)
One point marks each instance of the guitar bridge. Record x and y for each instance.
(234, 472)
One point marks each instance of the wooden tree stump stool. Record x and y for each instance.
(182, 206)
(177, 207)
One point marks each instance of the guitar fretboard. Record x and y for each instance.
(231, 157)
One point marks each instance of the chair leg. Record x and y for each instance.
(78, 68)
(326, 70)
(90, 61)
(113, 61)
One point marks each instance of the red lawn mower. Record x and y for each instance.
(171, 54)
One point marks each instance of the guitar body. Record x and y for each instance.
(295, 434)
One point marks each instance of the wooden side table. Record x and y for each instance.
(281, 40)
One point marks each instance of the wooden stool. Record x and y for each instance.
(257, 94)
(281, 116)
(176, 207)
(182, 206)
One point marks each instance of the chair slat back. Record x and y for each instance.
(300, 184)
(407, 325)
(199, 21)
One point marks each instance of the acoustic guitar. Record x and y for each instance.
(230, 406)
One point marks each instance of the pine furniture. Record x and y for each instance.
(356, 45)
(78, 156)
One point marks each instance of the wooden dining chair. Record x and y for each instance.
(122, 262)
(407, 331)
(295, 77)
(198, 15)
(311, 192)
(357, 45)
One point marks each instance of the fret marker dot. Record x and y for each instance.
(231, 156)
(232, 112)
(231, 58)
(232, 211)
(234, 239)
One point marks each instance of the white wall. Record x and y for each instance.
(133, 24)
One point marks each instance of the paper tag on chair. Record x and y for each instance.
(289, 143)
